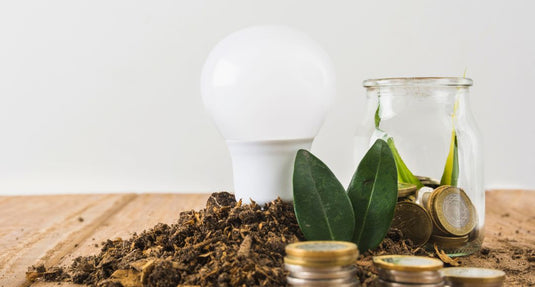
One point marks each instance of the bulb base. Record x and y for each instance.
(263, 169)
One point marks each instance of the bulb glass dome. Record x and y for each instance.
(268, 83)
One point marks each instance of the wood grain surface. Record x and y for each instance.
(55, 229)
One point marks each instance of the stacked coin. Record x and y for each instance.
(413, 221)
(472, 277)
(408, 271)
(454, 216)
(410, 217)
(321, 263)
(444, 216)
(406, 192)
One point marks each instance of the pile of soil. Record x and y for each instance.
(233, 244)
(226, 244)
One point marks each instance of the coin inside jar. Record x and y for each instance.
(422, 195)
(449, 242)
(451, 211)
(470, 276)
(413, 221)
(406, 189)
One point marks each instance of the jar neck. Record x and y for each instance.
(419, 81)
(416, 91)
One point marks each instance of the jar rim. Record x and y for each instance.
(418, 81)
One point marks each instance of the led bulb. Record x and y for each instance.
(268, 89)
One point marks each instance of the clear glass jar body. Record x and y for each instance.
(424, 117)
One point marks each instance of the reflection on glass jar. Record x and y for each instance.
(430, 129)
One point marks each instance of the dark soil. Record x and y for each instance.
(233, 244)
(226, 244)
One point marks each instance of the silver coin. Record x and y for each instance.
(426, 277)
(422, 195)
(473, 276)
(297, 271)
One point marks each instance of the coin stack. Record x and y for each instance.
(408, 271)
(454, 216)
(411, 217)
(473, 277)
(406, 192)
(444, 216)
(321, 263)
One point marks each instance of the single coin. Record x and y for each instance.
(322, 249)
(449, 242)
(298, 268)
(406, 189)
(320, 262)
(407, 263)
(410, 198)
(422, 195)
(452, 211)
(383, 283)
(350, 282)
(413, 221)
(297, 271)
(429, 207)
(413, 277)
(471, 275)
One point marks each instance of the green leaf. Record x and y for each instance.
(450, 175)
(373, 192)
(377, 117)
(322, 207)
(404, 174)
(451, 169)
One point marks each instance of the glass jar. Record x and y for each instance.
(435, 141)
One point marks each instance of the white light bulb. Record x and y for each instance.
(268, 89)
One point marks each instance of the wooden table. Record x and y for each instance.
(55, 229)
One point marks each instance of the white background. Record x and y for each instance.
(103, 96)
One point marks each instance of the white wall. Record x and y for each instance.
(103, 96)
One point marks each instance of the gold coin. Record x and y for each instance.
(449, 242)
(472, 276)
(410, 198)
(420, 278)
(406, 189)
(320, 263)
(379, 282)
(318, 250)
(413, 221)
(321, 273)
(451, 210)
(407, 263)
